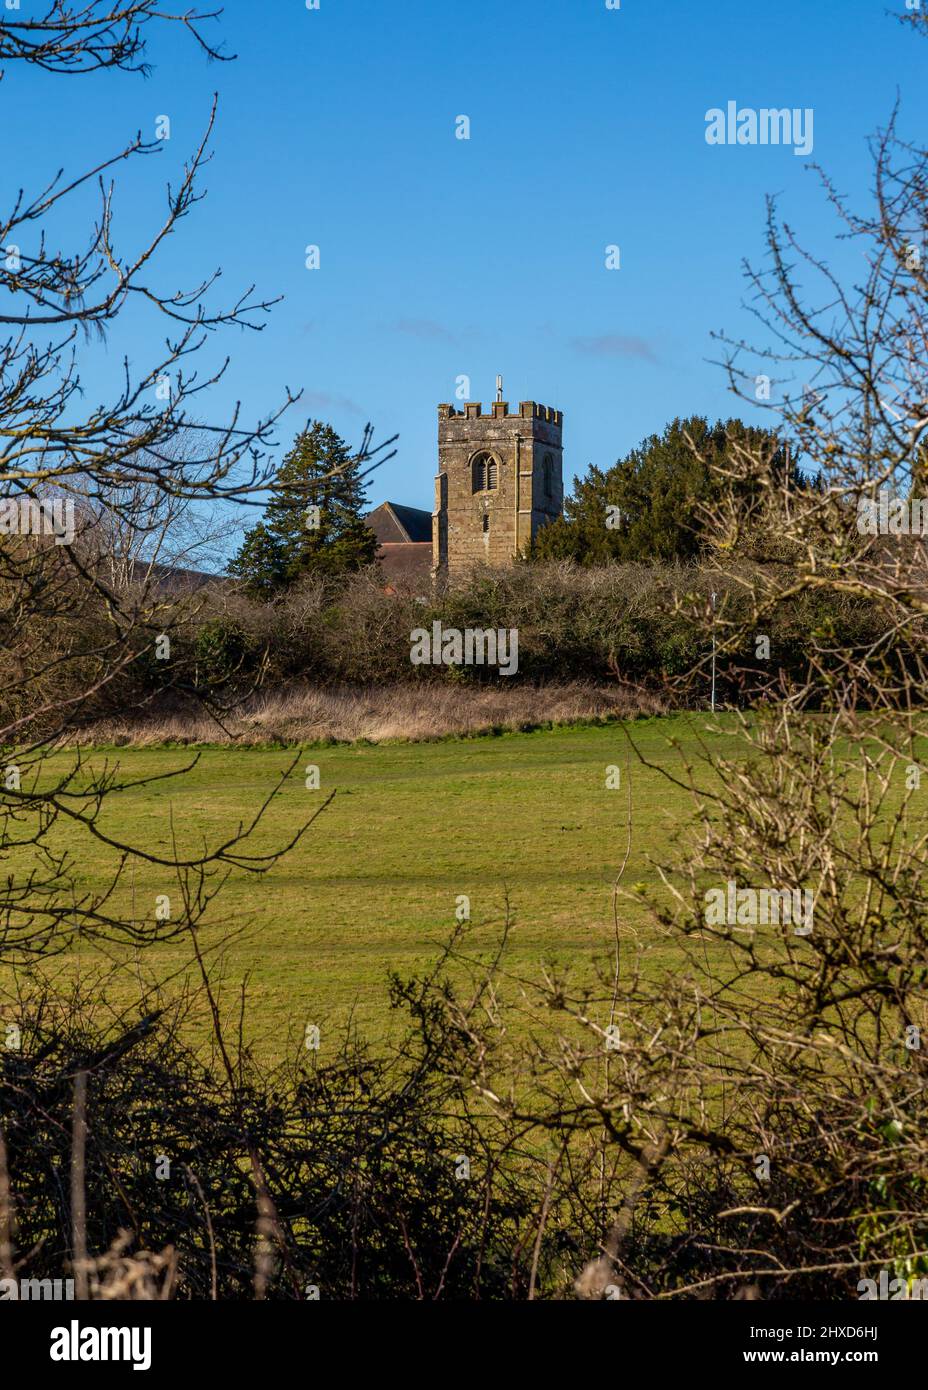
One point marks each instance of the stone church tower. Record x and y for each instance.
(500, 479)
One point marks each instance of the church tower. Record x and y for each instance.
(500, 479)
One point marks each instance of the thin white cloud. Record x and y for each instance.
(326, 400)
(615, 345)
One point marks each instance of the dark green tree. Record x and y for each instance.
(313, 523)
(658, 499)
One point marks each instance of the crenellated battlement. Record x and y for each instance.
(528, 410)
(500, 479)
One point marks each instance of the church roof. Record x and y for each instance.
(406, 561)
(393, 523)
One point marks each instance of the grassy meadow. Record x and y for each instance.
(373, 885)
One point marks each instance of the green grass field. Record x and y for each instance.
(374, 884)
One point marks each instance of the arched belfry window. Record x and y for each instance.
(485, 473)
(548, 468)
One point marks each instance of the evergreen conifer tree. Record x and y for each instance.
(314, 522)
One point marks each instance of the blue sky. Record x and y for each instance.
(442, 257)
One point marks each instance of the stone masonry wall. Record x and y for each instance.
(518, 506)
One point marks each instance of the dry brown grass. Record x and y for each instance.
(304, 713)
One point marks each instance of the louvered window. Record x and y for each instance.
(485, 473)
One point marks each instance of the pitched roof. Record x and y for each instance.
(171, 578)
(393, 523)
(409, 561)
